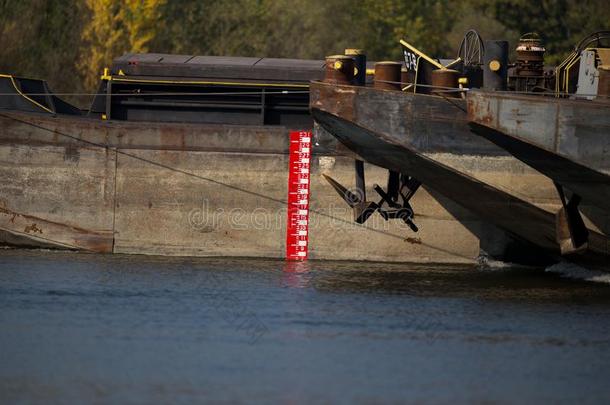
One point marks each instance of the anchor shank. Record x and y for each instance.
(360, 183)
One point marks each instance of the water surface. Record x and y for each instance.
(136, 329)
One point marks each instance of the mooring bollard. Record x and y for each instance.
(339, 69)
(359, 65)
(387, 75)
(443, 80)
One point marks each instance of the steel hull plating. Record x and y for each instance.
(428, 137)
(193, 190)
(567, 140)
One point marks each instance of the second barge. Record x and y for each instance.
(421, 131)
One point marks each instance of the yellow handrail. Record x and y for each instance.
(124, 79)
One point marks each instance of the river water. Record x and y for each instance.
(132, 329)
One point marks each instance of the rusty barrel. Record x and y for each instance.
(339, 69)
(359, 65)
(387, 75)
(445, 79)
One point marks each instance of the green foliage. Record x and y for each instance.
(40, 38)
(424, 23)
(68, 42)
(112, 28)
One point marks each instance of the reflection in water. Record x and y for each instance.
(296, 274)
(82, 327)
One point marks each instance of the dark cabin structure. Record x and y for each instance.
(208, 89)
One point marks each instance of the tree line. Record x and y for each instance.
(68, 42)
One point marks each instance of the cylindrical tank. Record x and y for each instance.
(339, 69)
(444, 80)
(359, 65)
(495, 65)
(387, 75)
(530, 56)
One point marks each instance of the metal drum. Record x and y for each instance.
(445, 79)
(387, 75)
(339, 69)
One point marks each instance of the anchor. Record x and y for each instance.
(572, 234)
(399, 187)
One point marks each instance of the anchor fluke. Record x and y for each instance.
(394, 202)
(350, 198)
(362, 209)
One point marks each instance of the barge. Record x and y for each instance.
(188, 156)
(422, 129)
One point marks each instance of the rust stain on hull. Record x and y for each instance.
(32, 228)
(49, 232)
(413, 240)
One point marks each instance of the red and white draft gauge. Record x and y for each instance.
(297, 226)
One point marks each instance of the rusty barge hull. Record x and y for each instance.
(567, 140)
(428, 137)
(192, 190)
